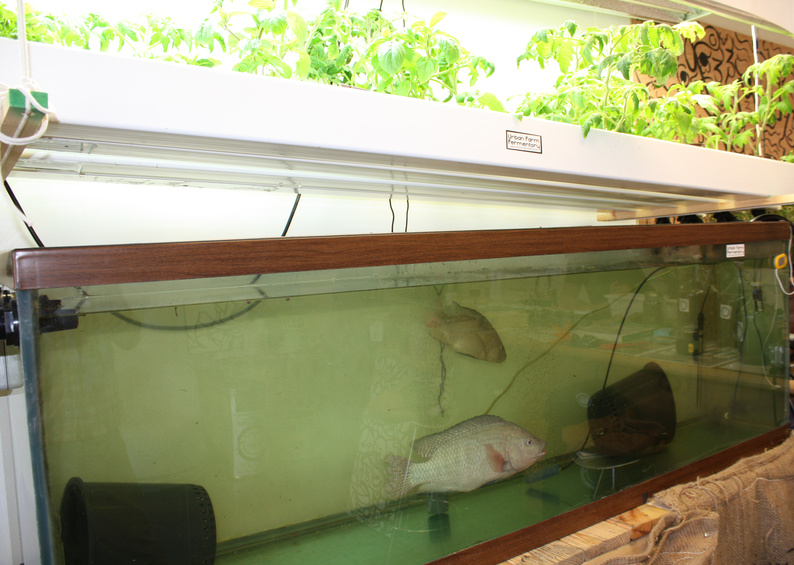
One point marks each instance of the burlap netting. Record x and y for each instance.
(742, 515)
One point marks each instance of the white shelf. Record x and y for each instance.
(143, 121)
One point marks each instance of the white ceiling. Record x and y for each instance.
(776, 16)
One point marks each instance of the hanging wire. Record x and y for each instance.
(615, 345)
(391, 208)
(187, 327)
(291, 215)
(407, 208)
(22, 215)
(573, 325)
(219, 321)
(700, 337)
(755, 80)
(788, 263)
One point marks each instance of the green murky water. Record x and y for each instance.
(282, 397)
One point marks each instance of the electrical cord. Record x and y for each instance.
(779, 218)
(407, 209)
(127, 319)
(790, 266)
(745, 328)
(21, 214)
(30, 102)
(569, 329)
(230, 317)
(291, 215)
(187, 327)
(617, 340)
(701, 342)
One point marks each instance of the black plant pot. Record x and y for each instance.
(633, 416)
(141, 524)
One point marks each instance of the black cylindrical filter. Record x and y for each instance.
(132, 523)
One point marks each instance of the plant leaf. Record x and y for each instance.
(303, 66)
(624, 65)
(565, 54)
(204, 34)
(450, 51)
(490, 101)
(426, 67)
(262, 4)
(391, 56)
(278, 23)
(437, 17)
(298, 26)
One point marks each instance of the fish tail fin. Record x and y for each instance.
(399, 479)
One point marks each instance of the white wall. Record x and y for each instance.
(18, 538)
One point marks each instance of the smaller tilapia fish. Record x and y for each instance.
(465, 457)
(466, 331)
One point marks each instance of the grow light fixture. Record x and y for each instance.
(112, 162)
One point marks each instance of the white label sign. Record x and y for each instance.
(734, 250)
(530, 142)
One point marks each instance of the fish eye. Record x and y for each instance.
(529, 442)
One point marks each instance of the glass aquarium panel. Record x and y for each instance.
(399, 414)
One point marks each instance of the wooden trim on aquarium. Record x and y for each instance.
(511, 545)
(98, 265)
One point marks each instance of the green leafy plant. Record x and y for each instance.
(395, 54)
(728, 125)
(602, 85)
(421, 61)
(43, 28)
(155, 38)
(597, 86)
(337, 42)
(271, 41)
(390, 55)
(768, 81)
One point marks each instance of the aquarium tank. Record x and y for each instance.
(393, 399)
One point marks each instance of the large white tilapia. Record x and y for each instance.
(465, 457)
(467, 331)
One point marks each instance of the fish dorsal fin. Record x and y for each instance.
(428, 445)
(455, 312)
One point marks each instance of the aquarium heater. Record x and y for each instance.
(52, 318)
